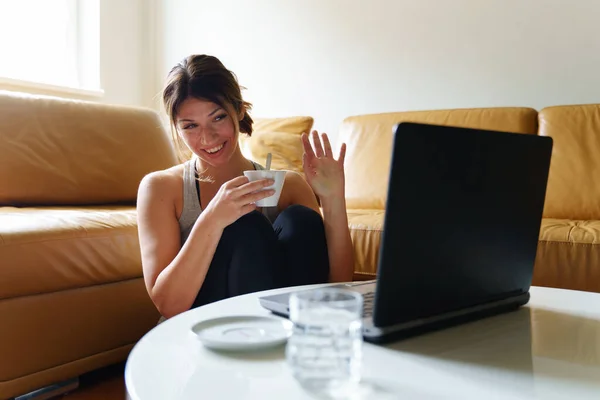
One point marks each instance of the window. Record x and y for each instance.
(50, 43)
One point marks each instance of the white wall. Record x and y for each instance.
(335, 58)
(126, 57)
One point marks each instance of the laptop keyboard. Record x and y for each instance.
(368, 300)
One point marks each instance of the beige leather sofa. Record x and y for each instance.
(72, 297)
(569, 248)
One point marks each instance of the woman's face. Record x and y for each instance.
(208, 130)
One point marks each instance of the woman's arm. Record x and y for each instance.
(173, 274)
(325, 178)
(339, 244)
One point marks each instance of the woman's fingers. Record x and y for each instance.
(342, 154)
(307, 147)
(327, 145)
(256, 196)
(236, 182)
(322, 145)
(253, 187)
(317, 144)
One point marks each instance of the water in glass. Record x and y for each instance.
(325, 349)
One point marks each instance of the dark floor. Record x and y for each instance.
(104, 384)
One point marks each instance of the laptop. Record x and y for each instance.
(462, 222)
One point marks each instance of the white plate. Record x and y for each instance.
(243, 332)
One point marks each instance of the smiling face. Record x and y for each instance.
(207, 112)
(208, 130)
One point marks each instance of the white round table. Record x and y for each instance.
(549, 349)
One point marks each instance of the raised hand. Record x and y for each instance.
(324, 173)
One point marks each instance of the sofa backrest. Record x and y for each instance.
(574, 182)
(369, 141)
(55, 151)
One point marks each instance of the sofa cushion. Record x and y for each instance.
(568, 255)
(369, 140)
(365, 230)
(574, 181)
(56, 248)
(280, 137)
(57, 151)
(55, 336)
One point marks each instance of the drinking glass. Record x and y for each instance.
(324, 351)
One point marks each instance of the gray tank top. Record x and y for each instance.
(191, 203)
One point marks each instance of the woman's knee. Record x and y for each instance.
(249, 227)
(255, 258)
(300, 218)
(302, 234)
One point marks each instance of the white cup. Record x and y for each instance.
(277, 176)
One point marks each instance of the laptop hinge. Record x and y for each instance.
(470, 313)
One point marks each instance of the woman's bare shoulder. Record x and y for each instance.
(296, 181)
(166, 181)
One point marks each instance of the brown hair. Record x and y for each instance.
(204, 77)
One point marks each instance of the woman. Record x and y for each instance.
(202, 238)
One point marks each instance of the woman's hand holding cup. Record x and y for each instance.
(237, 198)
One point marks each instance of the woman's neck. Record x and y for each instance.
(235, 167)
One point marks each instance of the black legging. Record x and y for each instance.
(254, 255)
